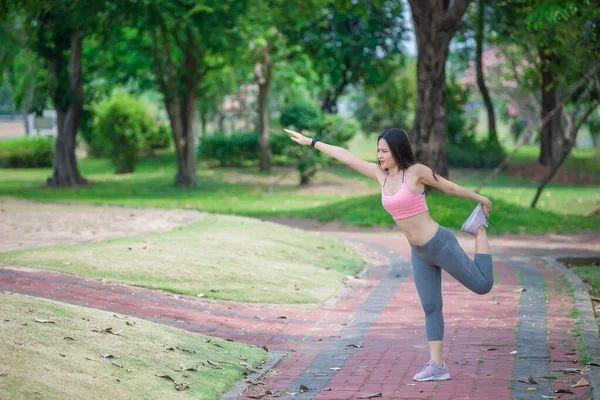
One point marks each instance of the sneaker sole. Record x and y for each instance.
(434, 378)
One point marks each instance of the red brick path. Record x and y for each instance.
(394, 347)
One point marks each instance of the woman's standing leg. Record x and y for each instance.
(428, 280)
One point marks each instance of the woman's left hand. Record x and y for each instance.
(487, 207)
(298, 137)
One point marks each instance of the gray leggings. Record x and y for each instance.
(444, 252)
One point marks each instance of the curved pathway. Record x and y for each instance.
(369, 339)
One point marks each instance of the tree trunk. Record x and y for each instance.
(186, 174)
(552, 142)
(265, 146)
(564, 155)
(262, 72)
(435, 23)
(489, 106)
(203, 122)
(66, 172)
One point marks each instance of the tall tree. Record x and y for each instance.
(189, 39)
(435, 23)
(58, 28)
(487, 100)
(347, 42)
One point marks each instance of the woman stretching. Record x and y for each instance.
(433, 247)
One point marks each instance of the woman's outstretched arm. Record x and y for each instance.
(426, 177)
(368, 169)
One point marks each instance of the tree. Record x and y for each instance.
(19, 65)
(58, 28)
(394, 104)
(189, 39)
(348, 40)
(489, 106)
(435, 24)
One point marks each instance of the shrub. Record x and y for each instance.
(122, 124)
(470, 153)
(158, 138)
(459, 124)
(27, 152)
(242, 149)
(301, 117)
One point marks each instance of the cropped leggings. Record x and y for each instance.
(444, 252)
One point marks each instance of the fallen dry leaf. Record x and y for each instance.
(107, 355)
(529, 380)
(531, 389)
(303, 388)
(354, 346)
(44, 321)
(521, 289)
(488, 348)
(181, 387)
(120, 316)
(167, 377)
(370, 396)
(335, 368)
(68, 338)
(567, 391)
(581, 382)
(116, 364)
(571, 370)
(513, 352)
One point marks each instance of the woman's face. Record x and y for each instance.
(386, 160)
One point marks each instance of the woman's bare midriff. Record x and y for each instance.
(418, 229)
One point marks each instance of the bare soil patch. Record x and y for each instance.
(26, 224)
(536, 173)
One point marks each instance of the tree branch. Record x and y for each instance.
(453, 16)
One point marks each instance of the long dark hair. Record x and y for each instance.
(400, 148)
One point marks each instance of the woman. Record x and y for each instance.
(433, 247)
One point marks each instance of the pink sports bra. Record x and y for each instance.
(405, 203)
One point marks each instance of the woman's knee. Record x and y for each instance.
(431, 308)
(484, 287)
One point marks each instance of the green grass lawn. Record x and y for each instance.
(71, 358)
(222, 257)
(246, 191)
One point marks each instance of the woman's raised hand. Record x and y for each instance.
(298, 138)
(487, 207)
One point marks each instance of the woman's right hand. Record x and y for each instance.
(298, 138)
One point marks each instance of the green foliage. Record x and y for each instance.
(28, 152)
(347, 41)
(593, 123)
(472, 153)
(394, 106)
(459, 124)
(334, 130)
(122, 125)
(242, 149)
(158, 138)
(301, 117)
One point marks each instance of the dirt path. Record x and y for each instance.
(27, 224)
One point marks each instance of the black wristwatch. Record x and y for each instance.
(314, 141)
